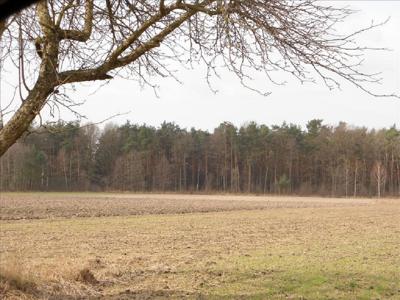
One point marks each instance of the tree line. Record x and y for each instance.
(319, 160)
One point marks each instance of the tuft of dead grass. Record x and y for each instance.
(14, 281)
(19, 280)
(86, 276)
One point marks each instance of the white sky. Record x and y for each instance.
(193, 104)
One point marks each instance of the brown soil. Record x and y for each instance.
(15, 206)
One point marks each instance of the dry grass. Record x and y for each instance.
(302, 248)
(15, 281)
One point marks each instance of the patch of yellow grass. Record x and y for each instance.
(15, 280)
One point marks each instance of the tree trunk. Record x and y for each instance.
(24, 116)
(42, 178)
(44, 86)
(379, 187)
(265, 180)
(249, 178)
(206, 172)
(198, 177)
(65, 172)
(184, 173)
(346, 175)
(355, 180)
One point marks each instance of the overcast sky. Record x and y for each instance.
(192, 104)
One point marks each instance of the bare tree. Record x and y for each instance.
(61, 42)
(379, 175)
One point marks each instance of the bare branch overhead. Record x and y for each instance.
(69, 41)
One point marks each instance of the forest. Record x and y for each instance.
(340, 161)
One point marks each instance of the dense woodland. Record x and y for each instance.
(285, 159)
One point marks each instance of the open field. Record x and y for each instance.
(16, 206)
(176, 246)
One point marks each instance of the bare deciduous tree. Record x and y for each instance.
(379, 176)
(60, 42)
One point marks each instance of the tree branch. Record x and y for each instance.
(100, 73)
(84, 34)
